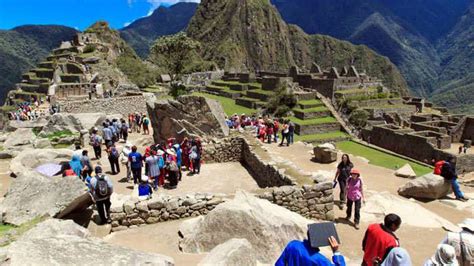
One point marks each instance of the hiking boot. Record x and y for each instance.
(356, 226)
(463, 199)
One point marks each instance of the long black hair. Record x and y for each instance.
(348, 160)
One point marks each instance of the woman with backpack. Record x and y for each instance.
(172, 166)
(114, 159)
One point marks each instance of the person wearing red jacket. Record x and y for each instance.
(379, 239)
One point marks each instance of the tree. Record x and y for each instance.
(174, 53)
(359, 118)
(282, 101)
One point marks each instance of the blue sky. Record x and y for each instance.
(76, 13)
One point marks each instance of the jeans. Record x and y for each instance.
(137, 174)
(456, 189)
(103, 207)
(358, 204)
(197, 166)
(114, 164)
(342, 186)
(290, 137)
(283, 138)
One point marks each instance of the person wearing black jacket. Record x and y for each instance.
(448, 171)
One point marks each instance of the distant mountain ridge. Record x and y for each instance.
(22, 47)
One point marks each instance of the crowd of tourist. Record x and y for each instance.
(26, 111)
(268, 130)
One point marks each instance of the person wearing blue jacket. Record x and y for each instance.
(300, 253)
(179, 159)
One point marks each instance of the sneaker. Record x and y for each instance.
(356, 226)
(463, 199)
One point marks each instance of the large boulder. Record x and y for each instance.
(62, 242)
(234, 252)
(20, 139)
(30, 159)
(33, 195)
(429, 186)
(406, 172)
(268, 227)
(61, 122)
(187, 116)
(325, 153)
(36, 124)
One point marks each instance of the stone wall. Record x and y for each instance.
(117, 105)
(317, 128)
(161, 208)
(469, 129)
(313, 202)
(223, 150)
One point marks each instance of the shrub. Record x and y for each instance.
(177, 89)
(89, 48)
(359, 118)
(282, 101)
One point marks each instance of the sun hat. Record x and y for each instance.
(355, 172)
(144, 178)
(445, 255)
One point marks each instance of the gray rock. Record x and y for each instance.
(66, 243)
(406, 172)
(128, 207)
(429, 186)
(41, 143)
(172, 205)
(266, 226)
(156, 203)
(21, 137)
(142, 206)
(31, 195)
(325, 153)
(32, 158)
(233, 252)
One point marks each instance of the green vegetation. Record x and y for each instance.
(312, 109)
(12, 233)
(61, 146)
(314, 121)
(138, 72)
(281, 101)
(90, 48)
(60, 134)
(310, 102)
(228, 104)
(359, 118)
(380, 158)
(322, 136)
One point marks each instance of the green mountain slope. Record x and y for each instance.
(22, 47)
(164, 21)
(240, 34)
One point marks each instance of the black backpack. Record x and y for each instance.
(102, 187)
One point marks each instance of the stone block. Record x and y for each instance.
(128, 207)
(142, 206)
(152, 220)
(118, 216)
(137, 221)
(156, 203)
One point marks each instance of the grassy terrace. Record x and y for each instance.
(380, 158)
(228, 104)
(313, 109)
(228, 83)
(314, 121)
(354, 91)
(310, 102)
(322, 136)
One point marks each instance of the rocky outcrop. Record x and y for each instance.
(33, 195)
(20, 139)
(406, 172)
(266, 226)
(73, 122)
(32, 158)
(234, 252)
(187, 116)
(325, 153)
(429, 186)
(58, 242)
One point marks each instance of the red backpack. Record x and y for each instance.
(438, 167)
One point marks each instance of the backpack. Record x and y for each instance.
(114, 152)
(124, 128)
(173, 167)
(146, 121)
(96, 141)
(438, 167)
(102, 187)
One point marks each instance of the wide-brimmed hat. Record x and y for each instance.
(355, 172)
(170, 151)
(467, 224)
(144, 178)
(445, 255)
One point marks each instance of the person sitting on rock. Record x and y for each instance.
(379, 239)
(144, 188)
(298, 253)
(102, 189)
(448, 172)
(67, 170)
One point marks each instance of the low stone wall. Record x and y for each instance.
(223, 151)
(118, 105)
(313, 202)
(311, 115)
(134, 213)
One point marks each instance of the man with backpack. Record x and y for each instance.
(96, 142)
(124, 130)
(114, 159)
(102, 189)
(448, 172)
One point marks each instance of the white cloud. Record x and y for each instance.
(156, 3)
(127, 23)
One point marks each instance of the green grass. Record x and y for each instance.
(314, 121)
(261, 91)
(60, 134)
(12, 233)
(357, 91)
(1, 148)
(322, 136)
(313, 109)
(228, 104)
(62, 146)
(380, 158)
(310, 102)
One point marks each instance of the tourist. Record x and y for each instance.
(172, 167)
(96, 142)
(438, 165)
(460, 149)
(136, 164)
(124, 130)
(114, 130)
(77, 150)
(138, 121)
(195, 157)
(76, 165)
(126, 150)
(144, 189)
(300, 253)
(463, 242)
(276, 127)
(465, 147)
(270, 132)
(342, 174)
(445, 256)
(262, 132)
(355, 195)
(291, 132)
(86, 164)
(114, 159)
(153, 166)
(396, 257)
(179, 159)
(448, 172)
(102, 189)
(145, 123)
(131, 121)
(379, 239)
(185, 153)
(107, 135)
(284, 133)
(67, 170)
(161, 164)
